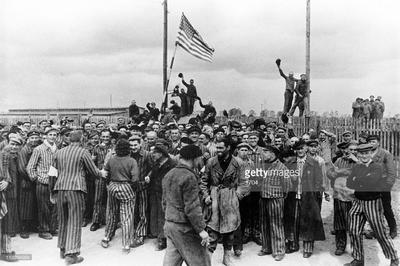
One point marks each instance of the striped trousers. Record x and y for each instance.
(47, 212)
(141, 217)
(371, 211)
(100, 201)
(340, 222)
(120, 195)
(5, 241)
(272, 230)
(70, 206)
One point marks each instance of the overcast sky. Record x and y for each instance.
(77, 53)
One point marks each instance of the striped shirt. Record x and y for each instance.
(277, 183)
(39, 164)
(24, 156)
(73, 163)
(100, 152)
(300, 167)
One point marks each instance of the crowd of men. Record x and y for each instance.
(191, 186)
(368, 108)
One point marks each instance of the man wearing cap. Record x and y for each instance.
(38, 169)
(312, 152)
(302, 212)
(154, 111)
(100, 196)
(70, 166)
(64, 134)
(385, 158)
(191, 94)
(223, 184)
(338, 173)
(367, 179)
(144, 163)
(290, 84)
(219, 134)
(327, 145)
(8, 187)
(274, 188)
(27, 195)
(184, 226)
(379, 107)
(162, 164)
(357, 108)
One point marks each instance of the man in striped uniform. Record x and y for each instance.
(27, 195)
(38, 168)
(122, 172)
(100, 195)
(72, 164)
(367, 180)
(274, 189)
(342, 196)
(144, 163)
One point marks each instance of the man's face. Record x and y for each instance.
(303, 77)
(322, 136)
(151, 137)
(181, 127)
(156, 127)
(156, 155)
(243, 153)
(191, 82)
(94, 140)
(222, 151)
(280, 132)
(134, 102)
(290, 74)
(121, 121)
(175, 134)
(135, 146)
(253, 140)
(14, 147)
(219, 136)
(301, 152)
(43, 124)
(34, 140)
(51, 137)
(347, 138)
(225, 128)
(352, 149)
(87, 127)
(27, 126)
(245, 138)
(194, 136)
(278, 142)
(375, 143)
(313, 149)
(365, 156)
(105, 137)
(100, 127)
(306, 137)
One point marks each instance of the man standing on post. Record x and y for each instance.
(38, 169)
(367, 180)
(72, 164)
(184, 224)
(223, 184)
(290, 83)
(383, 157)
(301, 91)
(191, 93)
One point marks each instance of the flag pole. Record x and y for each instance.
(165, 53)
(169, 77)
(307, 103)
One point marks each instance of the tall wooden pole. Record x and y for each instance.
(165, 53)
(307, 103)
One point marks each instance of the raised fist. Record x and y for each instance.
(278, 62)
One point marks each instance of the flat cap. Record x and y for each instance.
(194, 129)
(49, 129)
(186, 140)
(190, 152)
(65, 130)
(312, 142)
(364, 147)
(33, 132)
(299, 144)
(243, 145)
(343, 145)
(220, 129)
(347, 132)
(373, 137)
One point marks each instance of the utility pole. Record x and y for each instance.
(307, 98)
(165, 53)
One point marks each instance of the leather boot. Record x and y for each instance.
(227, 260)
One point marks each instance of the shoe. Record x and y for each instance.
(279, 257)
(264, 252)
(369, 235)
(24, 235)
(161, 244)
(307, 255)
(54, 233)
(137, 242)
(237, 253)
(46, 236)
(126, 250)
(105, 243)
(393, 233)
(94, 227)
(339, 252)
(73, 259)
(355, 263)
(13, 235)
(227, 260)
(394, 262)
(291, 247)
(62, 253)
(9, 257)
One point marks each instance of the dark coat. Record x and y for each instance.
(181, 202)
(311, 226)
(225, 190)
(384, 158)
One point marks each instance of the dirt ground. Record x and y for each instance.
(45, 252)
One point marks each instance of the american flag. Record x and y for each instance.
(190, 40)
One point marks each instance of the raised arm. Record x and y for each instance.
(281, 73)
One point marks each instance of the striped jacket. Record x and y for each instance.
(73, 163)
(100, 152)
(276, 183)
(39, 164)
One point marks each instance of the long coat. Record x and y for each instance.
(311, 226)
(225, 190)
